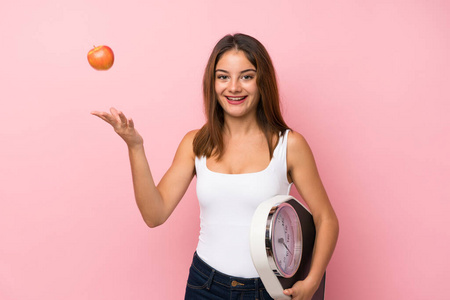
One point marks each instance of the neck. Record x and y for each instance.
(240, 126)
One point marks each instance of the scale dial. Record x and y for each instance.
(285, 240)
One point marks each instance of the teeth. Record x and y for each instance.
(235, 98)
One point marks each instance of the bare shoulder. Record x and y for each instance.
(298, 150)
(188, 139)
(191, 135)
(297, 141)
(186, 144)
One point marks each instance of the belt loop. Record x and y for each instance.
(211, 276)
(256, 288)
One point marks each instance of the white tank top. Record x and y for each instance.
(227, 203)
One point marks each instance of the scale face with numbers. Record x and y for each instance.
(282, 236)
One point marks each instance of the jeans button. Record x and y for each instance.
(234, 283)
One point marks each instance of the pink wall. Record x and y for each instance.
(367, 83)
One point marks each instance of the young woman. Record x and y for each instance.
(243, 155)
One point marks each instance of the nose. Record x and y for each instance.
(235, 86)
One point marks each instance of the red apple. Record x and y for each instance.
(101, 58)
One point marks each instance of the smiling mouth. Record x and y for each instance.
(236, 98)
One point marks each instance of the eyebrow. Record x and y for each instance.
(225, 71)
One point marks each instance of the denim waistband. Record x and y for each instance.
(233, 283)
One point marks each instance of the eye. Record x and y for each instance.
(222, 77)
(248, 77)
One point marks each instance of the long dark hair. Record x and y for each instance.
(209, 140)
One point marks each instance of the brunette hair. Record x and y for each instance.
(208, 140)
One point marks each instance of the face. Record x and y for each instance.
(235, 84)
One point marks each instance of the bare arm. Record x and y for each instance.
(303, 171)
(156, 203)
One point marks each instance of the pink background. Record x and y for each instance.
(366, 82)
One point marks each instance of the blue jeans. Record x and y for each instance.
(205, 283)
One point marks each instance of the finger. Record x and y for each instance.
(123, 119)
(115, 114)
(288, 292)
(131, 123)
(98, 113)
(110, 118)
(101, 115)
